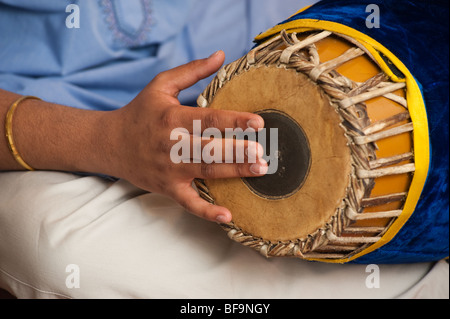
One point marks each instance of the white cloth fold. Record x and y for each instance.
(116, 241)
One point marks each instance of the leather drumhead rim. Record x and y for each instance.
(313, 205)
(361, 179)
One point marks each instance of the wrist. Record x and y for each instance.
(61, 138)
(104, 146)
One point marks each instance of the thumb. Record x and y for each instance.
(177, 79)
(187, 197)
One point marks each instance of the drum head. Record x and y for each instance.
(314, 160)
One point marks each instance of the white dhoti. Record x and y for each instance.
(66, 236)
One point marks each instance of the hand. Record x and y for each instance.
(145, 144)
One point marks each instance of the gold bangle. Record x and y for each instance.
(9, 131)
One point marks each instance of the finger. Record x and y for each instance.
(228, 150)
(193, 203)
(225, 170)
(177, 79)
(187, 148)
(220, 119)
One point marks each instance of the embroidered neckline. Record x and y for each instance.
(120, 34)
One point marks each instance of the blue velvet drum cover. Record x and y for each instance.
(408, 41)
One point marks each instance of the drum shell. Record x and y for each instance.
(424, 236)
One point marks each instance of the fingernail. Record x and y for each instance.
(260, 168)
(214, 54)
(254, 124)
(222, 219)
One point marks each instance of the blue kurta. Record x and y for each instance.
(121, 45)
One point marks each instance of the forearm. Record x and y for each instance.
(55, 137)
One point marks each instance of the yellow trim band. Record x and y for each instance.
(370, 44)
(416, 107)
